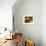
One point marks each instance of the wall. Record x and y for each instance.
(43, 22)
(6, 13)
(31, 31)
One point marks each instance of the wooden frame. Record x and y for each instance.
(28, 19)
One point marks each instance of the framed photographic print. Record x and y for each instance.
(28, 19)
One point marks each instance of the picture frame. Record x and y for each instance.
(28, 19)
